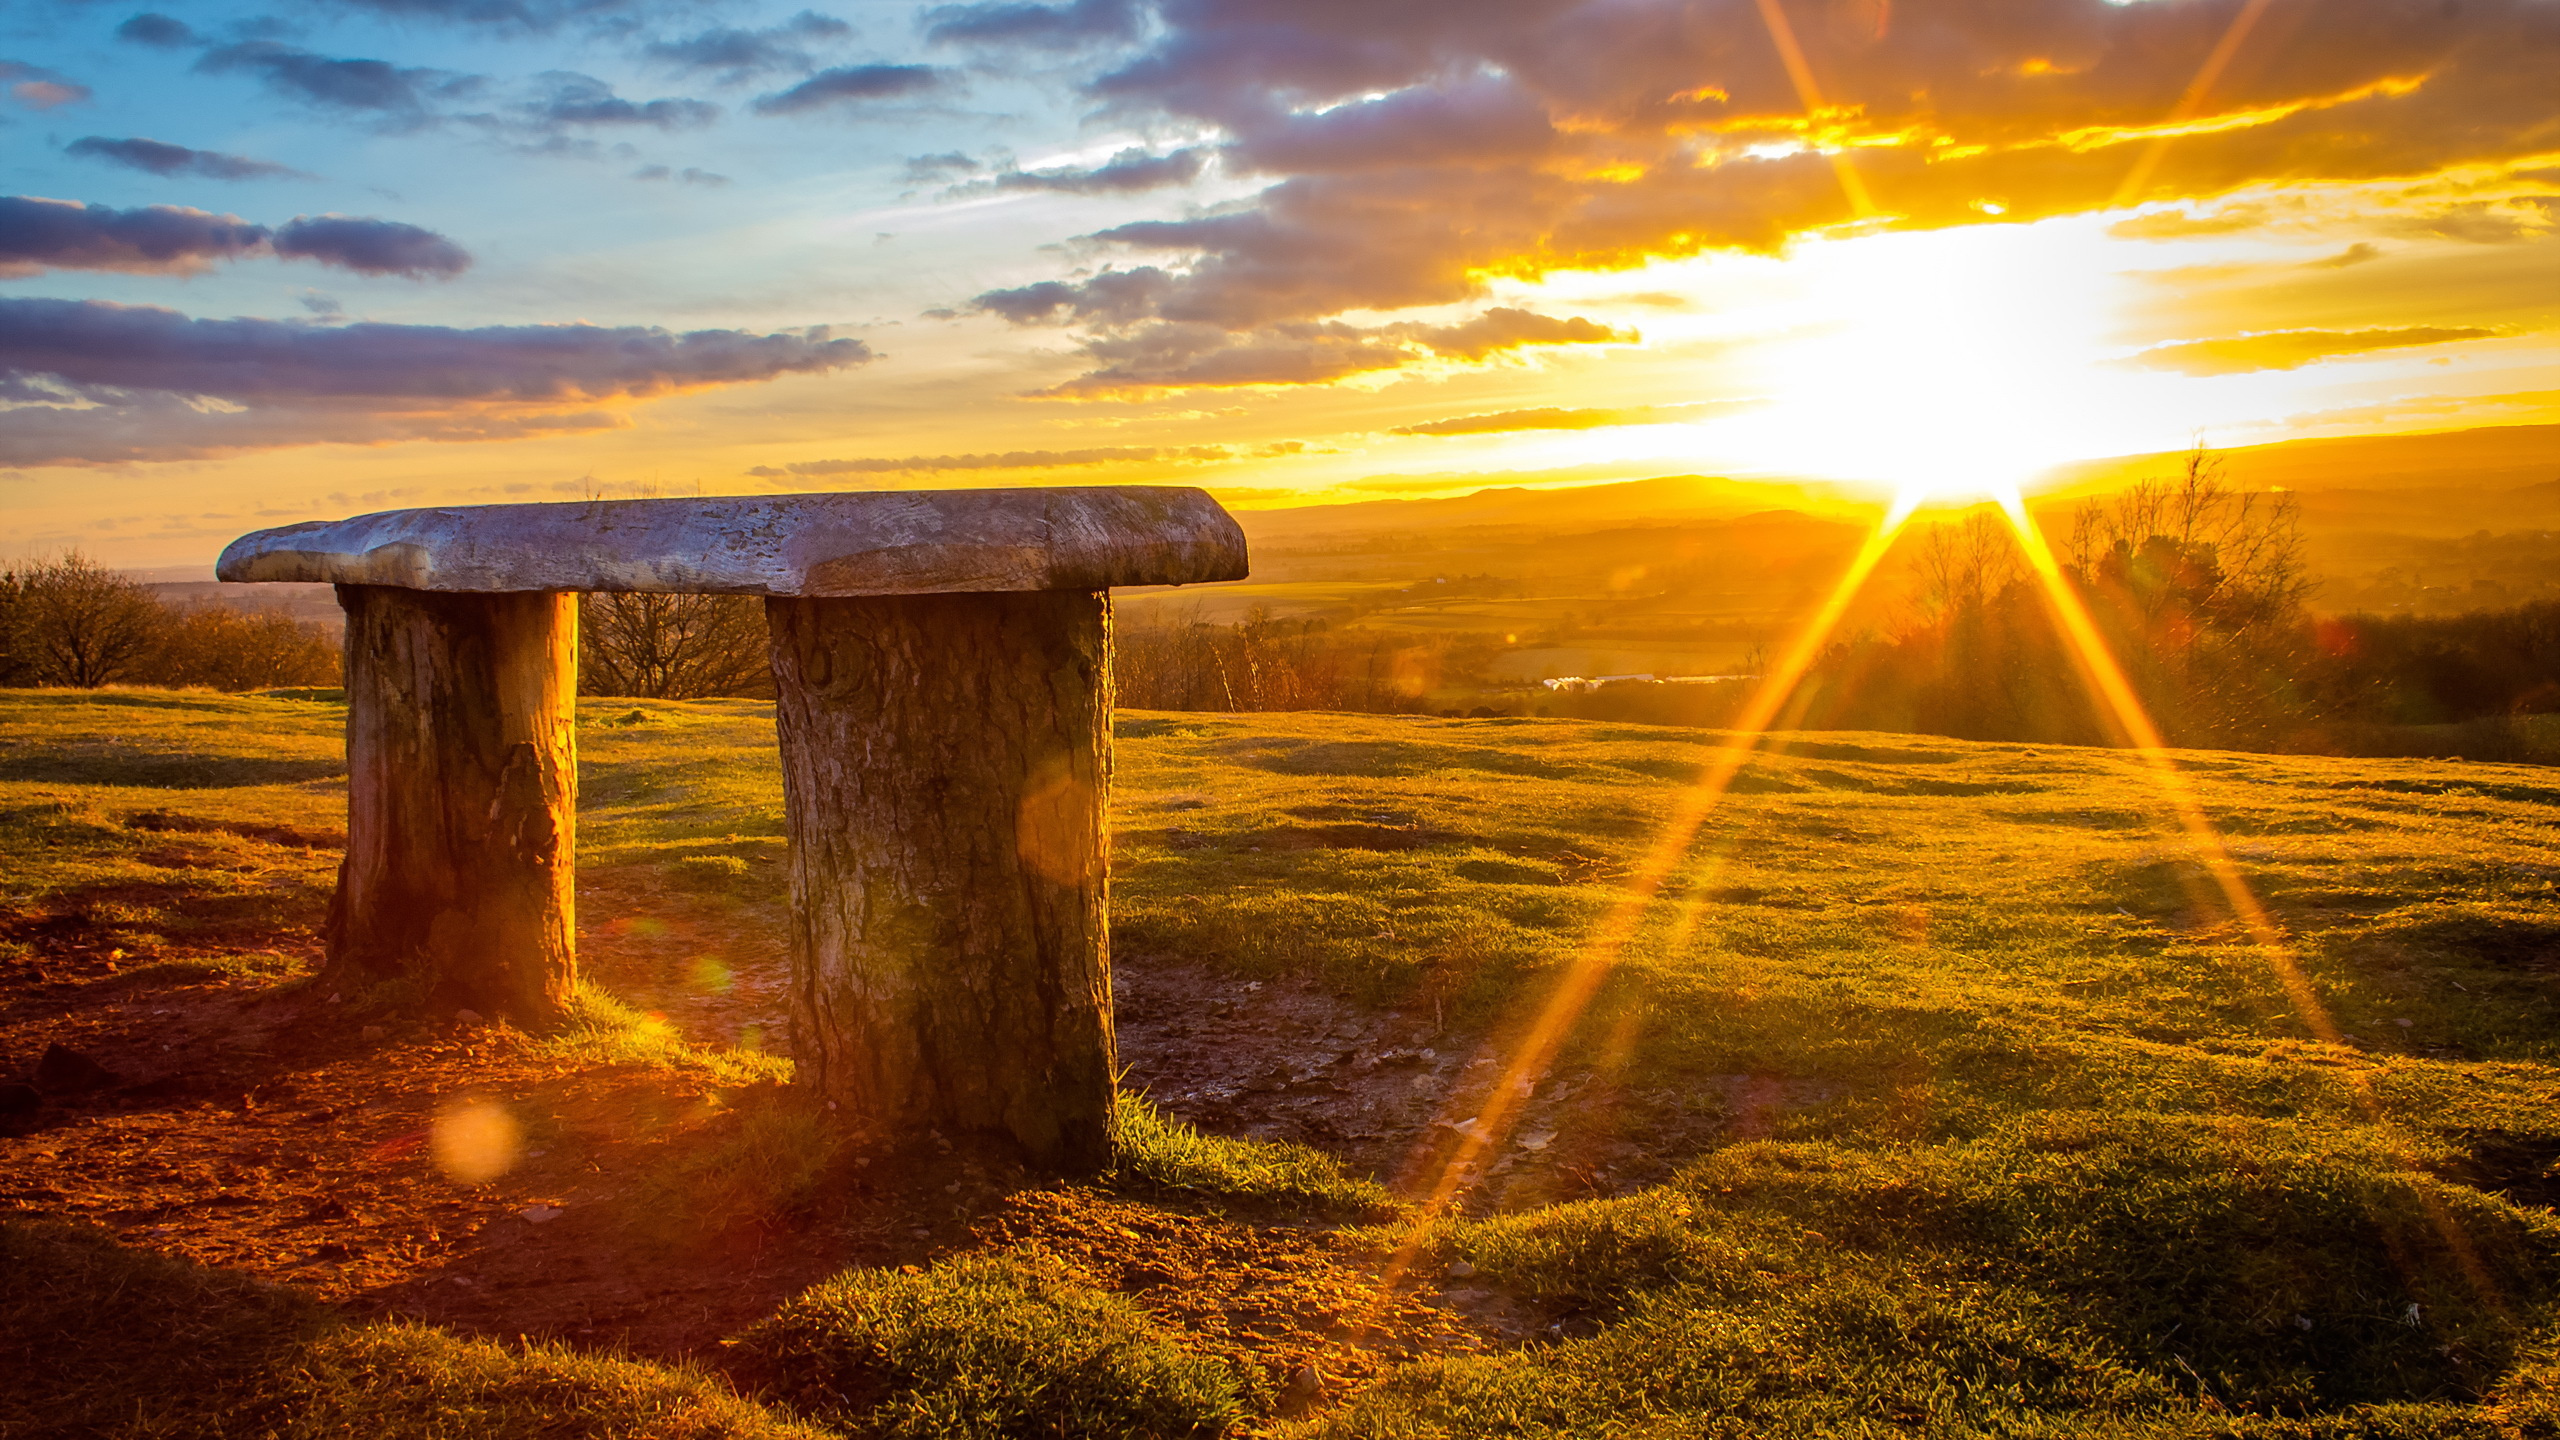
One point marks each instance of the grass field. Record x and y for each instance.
(1934, 1095)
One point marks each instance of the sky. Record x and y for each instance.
(262, 263)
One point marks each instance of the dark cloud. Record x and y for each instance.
(733, 57)
(394, 93)
(1126, 173)
(1009, 460)
(118, 382)
(852, 84)
(1005, 23)
(165, 32)
(161, 158)
(38, 234)
(2291, 349)
(569, 98)
(38, 88)
(1412, 152)
(370, 247)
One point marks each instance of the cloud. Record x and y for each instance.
(37, 234)
(734, 57)
(160, 158)
(163, 32)
(370, 247)
(1411, 154)
(852, 84)
(1035, 27)
(569, 98)
(689, 175)
(115, 382)
(925, 169)
(2290, 349)
(1126, 173)
(1181, 355)
(2355, 254)
(521, 14)
(2179, 223)
(1009, 460)
(1504, 422)
(397, 94)
(38, 88)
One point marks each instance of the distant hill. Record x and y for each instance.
(1582, 507)
(2501, 457)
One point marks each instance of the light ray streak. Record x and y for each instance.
(1536, 1049)
(1791, 55)
(2106, 678)
(2184, 111)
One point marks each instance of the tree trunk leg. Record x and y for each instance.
(462, 793)
(945, 760)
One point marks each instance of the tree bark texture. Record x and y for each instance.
(945, 760)
(462, 789)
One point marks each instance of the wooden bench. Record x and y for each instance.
(942, 661)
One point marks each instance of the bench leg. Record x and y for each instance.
(945, 760)
(462, 790)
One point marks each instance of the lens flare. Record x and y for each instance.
(475, 1140)
(2135, 729)
(1536, 1048)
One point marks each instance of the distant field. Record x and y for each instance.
(1935, 1095)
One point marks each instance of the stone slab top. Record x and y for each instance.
(875, 542)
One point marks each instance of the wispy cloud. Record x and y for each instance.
(2292, 349)
(158, 157)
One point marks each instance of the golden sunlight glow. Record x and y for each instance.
(1535, 1049)
(2106, 679)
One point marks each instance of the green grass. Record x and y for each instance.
(140, 1347)
(986, 1347)
(1160, 1153)
(2107, 1272)
(2060, 1154)
(602, 1030)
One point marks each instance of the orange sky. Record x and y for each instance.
(1287, 249)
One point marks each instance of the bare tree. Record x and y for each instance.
(673, 647)
(74, 622)
(223, 648)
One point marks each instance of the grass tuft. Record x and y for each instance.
(986, 1347)
(1160, 1152)
(602, 1030)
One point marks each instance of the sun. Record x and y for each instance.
(1942, 365)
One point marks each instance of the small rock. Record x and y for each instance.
(468, 1016)
(1538, 1140)
(63, 1069)
(1145, 1277)
(1303, 1389)
(19, 1099)
(374, 1032)
(1461, 1270)
(540, 1214)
